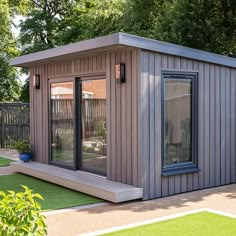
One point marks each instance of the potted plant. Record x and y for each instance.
(24, 150)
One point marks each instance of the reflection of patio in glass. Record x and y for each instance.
(60, 155)
(90, 159)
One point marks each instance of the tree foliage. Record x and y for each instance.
(204, 24)
(97, 18)
(45, 24)
(9, 87)
(51, 23)
(140, 15)
(24, 96)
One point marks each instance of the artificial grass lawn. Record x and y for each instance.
(199, 224)
(5, 161)
(55, 196)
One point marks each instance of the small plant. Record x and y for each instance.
(22, 146)
(20, 214)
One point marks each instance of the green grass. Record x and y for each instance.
(5, 161)
(199, 224)
(55, 196)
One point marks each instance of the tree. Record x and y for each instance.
(9, 86)
(140, 15)
(52, 23)
(24, 96)
(45, 23)
(96, 18)
(204, 24)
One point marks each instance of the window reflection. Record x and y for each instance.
(178, 121)
(93, 119)
(62, 127)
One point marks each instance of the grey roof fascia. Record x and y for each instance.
(72, 48)
(177, 50)
(126, 40)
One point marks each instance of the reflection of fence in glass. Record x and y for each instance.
(62, 114)
(62, 109)
(14, 123)
(94, 111)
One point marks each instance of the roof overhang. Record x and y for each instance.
(121, 39)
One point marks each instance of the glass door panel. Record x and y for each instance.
(93, 124)
(62, 124)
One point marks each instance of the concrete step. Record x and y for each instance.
(94, 185)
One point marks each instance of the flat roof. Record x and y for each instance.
(125, 40)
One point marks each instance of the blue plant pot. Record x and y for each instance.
(25, 156)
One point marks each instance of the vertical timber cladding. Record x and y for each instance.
(122, 116)
(39, 115)
(123, 163)
(216, 125)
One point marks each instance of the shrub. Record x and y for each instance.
(20, 214)
(22, 146)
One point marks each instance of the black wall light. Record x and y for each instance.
(36, 80)
(120, 73)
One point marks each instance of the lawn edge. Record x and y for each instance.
(158, 219)
(10, 158)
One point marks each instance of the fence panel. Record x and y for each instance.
(14, 123)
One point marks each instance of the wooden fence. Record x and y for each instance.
(14, 123)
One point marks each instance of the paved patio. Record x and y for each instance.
(99, 218)
(11, 154)
(87, 220)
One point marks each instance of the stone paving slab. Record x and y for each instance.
(114, 215)
(9, 153)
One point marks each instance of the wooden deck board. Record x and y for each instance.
(94, 185)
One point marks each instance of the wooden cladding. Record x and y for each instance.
(83, 65)
(216, 125)
(90, 64)
(122, 117)
(39, 115)
(123, 163)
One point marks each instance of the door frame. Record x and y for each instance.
(77, 95)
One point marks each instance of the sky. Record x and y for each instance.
(16, 20)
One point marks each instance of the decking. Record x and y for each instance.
(80, 181)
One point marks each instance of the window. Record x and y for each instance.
(179, 122)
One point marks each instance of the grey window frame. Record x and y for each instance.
(184, 167)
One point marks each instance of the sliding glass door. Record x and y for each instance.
(62, 124)
(93, 125)
(78, 124)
